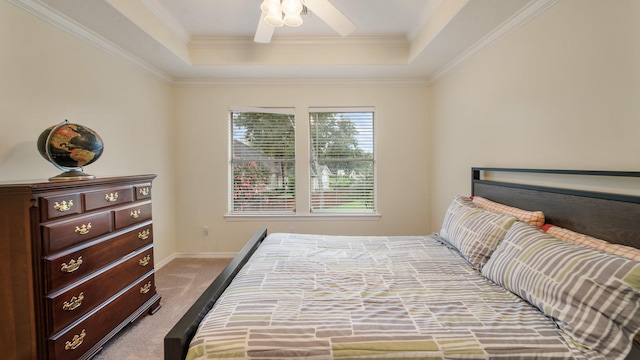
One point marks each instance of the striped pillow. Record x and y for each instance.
(593, 296)
(473, 231)
(586, 240)
(535, 218)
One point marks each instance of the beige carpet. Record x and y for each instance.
(180, 282)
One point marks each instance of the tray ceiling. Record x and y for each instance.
(195, 41)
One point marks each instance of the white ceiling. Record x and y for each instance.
(212, 40)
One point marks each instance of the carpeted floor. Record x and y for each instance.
(180, 282)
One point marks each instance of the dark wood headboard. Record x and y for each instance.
(607, 216)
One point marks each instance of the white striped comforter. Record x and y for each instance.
(339, 297)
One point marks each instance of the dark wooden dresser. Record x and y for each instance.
(76, 264)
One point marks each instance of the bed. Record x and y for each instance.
(526, 290)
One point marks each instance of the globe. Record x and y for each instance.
(70, 147)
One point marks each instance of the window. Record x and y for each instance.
(342, 160)
(263, 161)
(339, 177)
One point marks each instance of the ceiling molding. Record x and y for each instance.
(61, 21)
(532, 10)
(300, 52)
(417, 82)
(235, 41)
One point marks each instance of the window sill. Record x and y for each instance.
(306, 217)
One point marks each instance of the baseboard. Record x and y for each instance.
(158, 265)
(205, 255)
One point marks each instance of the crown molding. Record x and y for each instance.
(533, 9)
(55, 18)
(236, 41)
(269, 82)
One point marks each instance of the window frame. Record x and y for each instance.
(231, 211)
(372, 160)
(302, 166)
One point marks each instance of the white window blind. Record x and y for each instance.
(262, 161)
(342, 160)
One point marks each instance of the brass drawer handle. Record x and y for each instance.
(144, 234)
(135, 214)
(77, 341)
(145, 289)
(111, 197)
(83, 230)
(144, 191)
(73, 265)
(74, 303)
(145, 260)
(63, 206)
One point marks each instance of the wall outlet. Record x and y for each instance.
(205, 230)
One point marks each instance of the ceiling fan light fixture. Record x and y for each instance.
(274, 20)
(272, 10)
(293, 20)
(270, 7)
(276, 13)
(291, 7)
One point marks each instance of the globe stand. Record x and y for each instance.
(73, 174)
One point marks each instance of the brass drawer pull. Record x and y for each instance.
(63, 206)
(145, 260)
(83, 230)
(145, 289)
(77, 341)
(111, 197)
(144, 191)
(73, 265)
(144, 234)
(135, 214)
(74, 303)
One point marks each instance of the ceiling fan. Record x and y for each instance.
(273, 12)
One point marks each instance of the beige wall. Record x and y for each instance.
(47, 76)
(203, 140)
(561, 92)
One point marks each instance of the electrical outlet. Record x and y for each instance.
(205, 230)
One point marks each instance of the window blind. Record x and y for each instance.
(342, 160)
(262, 161)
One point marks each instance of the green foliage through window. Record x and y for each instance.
(341, 167)
(263, 162)
(342, 161)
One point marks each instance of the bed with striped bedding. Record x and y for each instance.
(517, 271)
(319, 296)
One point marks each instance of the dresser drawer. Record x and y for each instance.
(64, 268)
(82, 336)
(61, 205)
(143, 192)
(70, 304)
(108, 197)
(60, 235)
(132, 214)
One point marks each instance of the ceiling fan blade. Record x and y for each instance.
(330, 15)
(264, 32)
